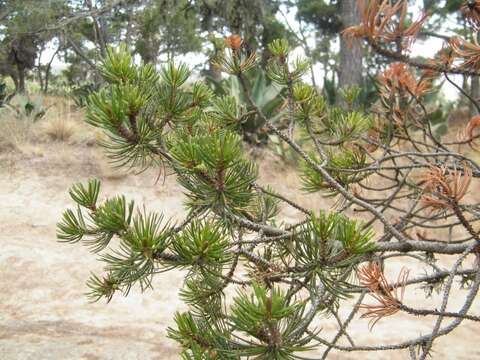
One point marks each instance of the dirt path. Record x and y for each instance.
(43, 311)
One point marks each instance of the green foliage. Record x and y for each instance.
(341, 166)
(142, 236)
(80, 93)
(23, 33)
(211, 165)
(102, 287)
(267, 317)
(341, 131)
(203, 292)
(278, 68)
(329, 246)
(118, 69)
(86, 197)
(439, 122)
(233, 108)
(264, 206)
(235, 61)
(330, 91)
(226, 111)
(355, 97)
(267, 96)
(166, 27)
(134, 262)
(350, 95)
(200, 339)
(310, 107)
(256, 20)
(152, 117)
(343, 126)
(324, 14)
(123, 114)
(279, 48)
(26, 108)
(202, 244)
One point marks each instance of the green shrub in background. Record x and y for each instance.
(4, 95)
(26, 108)
(268, 96)
(80, 93)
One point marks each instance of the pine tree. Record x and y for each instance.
(152, 117)
(286, 275)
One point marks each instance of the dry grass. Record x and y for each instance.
(60, 129)
(63, 122)
(15, 132)
(106, 169)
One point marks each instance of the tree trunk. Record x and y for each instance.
(21, 80)
(40, 77)
(465, 87)
(48, 70)
(47, 78)
(475, 94)
(350, 71)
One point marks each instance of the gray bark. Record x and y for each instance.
(350, 70)
(475, 94)
(21, 88)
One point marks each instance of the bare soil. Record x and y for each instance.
(44, 313)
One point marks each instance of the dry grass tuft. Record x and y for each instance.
(60, 128)
(15, 132)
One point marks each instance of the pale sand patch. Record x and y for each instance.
(44, 313)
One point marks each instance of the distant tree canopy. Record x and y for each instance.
(155, 29)
(78, 33)
(20, 36)
(167, 27)
(325, 15)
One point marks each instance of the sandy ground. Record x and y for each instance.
(43, 311)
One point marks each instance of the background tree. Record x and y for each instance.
(21, 39)
(254, 21)
(351, 55)
(167, 27)
(330, 18)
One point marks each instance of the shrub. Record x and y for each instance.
(268, 96)
(17, 118)
(81, 93)
(26, 108)
(59, 128)
(4, 96)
